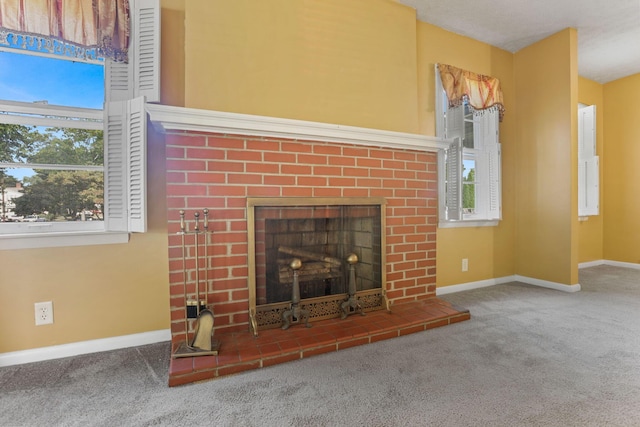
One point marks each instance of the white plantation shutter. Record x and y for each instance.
(588, 163)
(582, 194)
(491, 148)
(489, 119)
(494, 210)
(118, 81)
(141, 75)
(115, 171)
(128, 87)
(454, 122)
(588, 193)
(587, 132)
(593, 186)
(137, 164)
(147, 50)
(453, 183)
(125, 166)
(454, 128)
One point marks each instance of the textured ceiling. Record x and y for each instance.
(608, 31)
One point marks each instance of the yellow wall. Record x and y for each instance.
(334, 61)
(97, 291)
(621, 170)
(172, 76)
(546, 180)
(489, 250)
(590, 232)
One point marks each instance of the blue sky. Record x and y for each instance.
(33, 78)
(30, 78)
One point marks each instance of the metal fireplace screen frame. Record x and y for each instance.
(269, 315)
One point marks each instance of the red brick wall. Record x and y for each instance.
(219, 172)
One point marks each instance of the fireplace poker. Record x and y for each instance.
(196, 232)
(183, 231)
(205, 227)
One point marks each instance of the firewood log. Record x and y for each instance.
(310, 255)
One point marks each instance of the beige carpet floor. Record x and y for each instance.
(529, 356)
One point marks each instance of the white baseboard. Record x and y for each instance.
(473, 285)
(547, 284)
(83, 347)
(591, 263)
(622, 264)
(501, 280)
(531, 281)
(596, 263)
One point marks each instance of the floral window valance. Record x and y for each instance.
(482, 92)
(79, 28)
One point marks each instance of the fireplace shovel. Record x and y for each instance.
(204, 328)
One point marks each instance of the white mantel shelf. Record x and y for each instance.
(169, 118)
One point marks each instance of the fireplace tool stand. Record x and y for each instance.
(203, 343)
(352, 302)
(295, 310)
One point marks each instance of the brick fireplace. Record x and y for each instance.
(220, 167)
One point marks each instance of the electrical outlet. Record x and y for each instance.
(465, 264)
(44, 313)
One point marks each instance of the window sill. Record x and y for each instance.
(468, 223)
(55, 240)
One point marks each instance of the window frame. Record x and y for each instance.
(486, 152)
(128, 87)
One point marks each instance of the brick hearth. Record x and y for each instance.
(241, 351)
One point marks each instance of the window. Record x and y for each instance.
(469, 168)
(52, 154)
(94, 158)
(588, 163)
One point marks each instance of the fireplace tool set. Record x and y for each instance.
(203, 343)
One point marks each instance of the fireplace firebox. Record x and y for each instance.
(320, 236)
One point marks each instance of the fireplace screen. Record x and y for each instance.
(321, 234)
